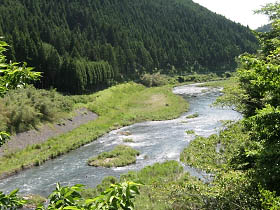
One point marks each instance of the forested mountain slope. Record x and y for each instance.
(82, 45)
(264, 28)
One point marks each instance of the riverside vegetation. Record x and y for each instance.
(243, 159)
(125, 104)
(121, 155)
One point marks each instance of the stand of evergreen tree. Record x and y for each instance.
(84, 45)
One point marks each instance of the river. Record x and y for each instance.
(157, 141)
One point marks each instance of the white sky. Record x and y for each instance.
(240, 11)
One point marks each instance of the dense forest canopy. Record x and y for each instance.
(264, 28)
(82, 45)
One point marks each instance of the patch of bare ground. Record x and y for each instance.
(156, 100)
(22, 140)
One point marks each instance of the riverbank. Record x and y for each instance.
(28, 138)
(116, 107)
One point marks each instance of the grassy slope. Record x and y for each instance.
(117, 106)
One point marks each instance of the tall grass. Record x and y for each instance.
(24, 109)
(117, 106)
(121, 155)
(166, 186)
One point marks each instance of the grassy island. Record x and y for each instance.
(121, 155)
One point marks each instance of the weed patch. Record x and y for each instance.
(120, 156)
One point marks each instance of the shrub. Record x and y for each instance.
(23, 109)
(10, 201)
(153, 80)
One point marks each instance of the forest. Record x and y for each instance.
(81, 46)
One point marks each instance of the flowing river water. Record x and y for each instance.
(157, 141)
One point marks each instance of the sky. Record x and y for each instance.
(240, 11)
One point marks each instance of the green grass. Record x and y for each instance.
(128, 140)
(166, 186)
(121, 155)
(192, 116)
(190, 132)
(225, 83)
(117, 106)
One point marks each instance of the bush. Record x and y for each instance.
(117, 196)
(10, 201)
(24, 109)
(154, 80)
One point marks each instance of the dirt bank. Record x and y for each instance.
(22, 140)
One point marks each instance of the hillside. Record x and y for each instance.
(264, 28)
(83, 45)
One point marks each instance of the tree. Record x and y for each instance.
(12, 75)
(259, 76)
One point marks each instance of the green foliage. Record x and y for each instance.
(121, 155)
(155, 173)
(3, 137)
(259, 79)
(94, 192)
(264, 133)
(259, 73)
(153, 80)
(195, 77)
(264, 28)
(62, 197)
(190, 132)
(128, 140)
(11, 201)
(232, 94)
(269, 199)
(230, 188)
(195, 115)
(92, 44)
(159, 190)
(12, 75)
(167, 186)
(25, 108)
(81, 75)
(117, 196)
(215, 152)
